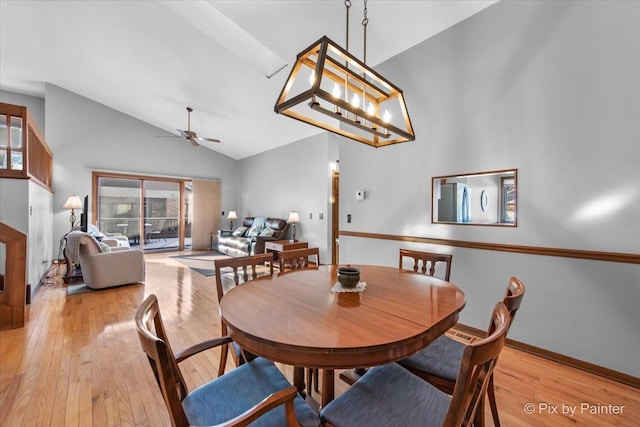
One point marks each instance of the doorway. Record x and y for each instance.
(335, 217)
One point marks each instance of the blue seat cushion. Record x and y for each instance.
(388, 395)
(233, 393)
(441, 358)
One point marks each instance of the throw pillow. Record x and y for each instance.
(239, 231)
(254, 232)
(104, 247)
(267, 232)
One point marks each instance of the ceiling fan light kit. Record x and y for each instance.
(328, 86)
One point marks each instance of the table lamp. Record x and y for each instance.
(231, 216)
(293, 218)
(73, 203)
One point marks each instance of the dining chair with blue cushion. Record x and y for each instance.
(255, 392)
(440, 361)
(243, 269)
(390, 395)
(294, 260)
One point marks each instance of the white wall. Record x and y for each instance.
(86, 136)
(549, 88)
(293, 177)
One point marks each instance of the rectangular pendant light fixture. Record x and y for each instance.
(328, 86)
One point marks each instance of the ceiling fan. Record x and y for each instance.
(190, 135)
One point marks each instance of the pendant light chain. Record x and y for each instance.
(347, 5)
(365, 21)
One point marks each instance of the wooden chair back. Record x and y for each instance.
(478, 362)
(244, 269)
(422, 259)
(156, 346)
(513, 297)
(249, 270)
(298, 259)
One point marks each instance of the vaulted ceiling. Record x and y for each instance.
(228, 60)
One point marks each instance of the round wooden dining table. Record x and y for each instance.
(296, 318)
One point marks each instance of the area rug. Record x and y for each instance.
(201, 262)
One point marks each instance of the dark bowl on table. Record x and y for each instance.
(348, 276)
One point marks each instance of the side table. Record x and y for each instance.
(276, 246)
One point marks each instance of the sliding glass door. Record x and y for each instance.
(152, 212)
(119, 207)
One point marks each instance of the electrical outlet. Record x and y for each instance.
(348, 218)
(310, 216)
(321, 216)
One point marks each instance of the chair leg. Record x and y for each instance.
(313, 379)
(224, 349)
(492, 402)
(479, 415)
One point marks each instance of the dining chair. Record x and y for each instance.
(243, 269)
(254, 392)
(439, 362)
(391, 395)
(298, 259)
(423, 259)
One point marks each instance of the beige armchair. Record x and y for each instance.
(103, 266)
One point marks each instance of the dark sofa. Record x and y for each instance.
(249, 238)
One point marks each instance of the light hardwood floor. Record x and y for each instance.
(78, 362)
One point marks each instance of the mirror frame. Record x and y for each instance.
(483, 197)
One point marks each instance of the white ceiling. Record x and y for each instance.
(152, 59)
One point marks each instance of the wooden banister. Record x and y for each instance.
(33, 156)
(13, 291)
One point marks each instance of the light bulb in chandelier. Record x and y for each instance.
(371, 110)
(312, 78)
(336, 91)
(336, 94)
(386, 117)
(355, 100)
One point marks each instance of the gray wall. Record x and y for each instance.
(550, 88)
(292, 177)
(86, 136)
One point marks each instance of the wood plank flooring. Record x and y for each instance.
(78, 362)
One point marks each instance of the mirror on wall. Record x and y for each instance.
(483, 198)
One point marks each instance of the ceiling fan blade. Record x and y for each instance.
(207, 139)
(194, 142)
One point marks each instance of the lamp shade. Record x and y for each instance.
(293, 217)
(232, 215)
(73, 202)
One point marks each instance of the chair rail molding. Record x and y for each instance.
(628, 258)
